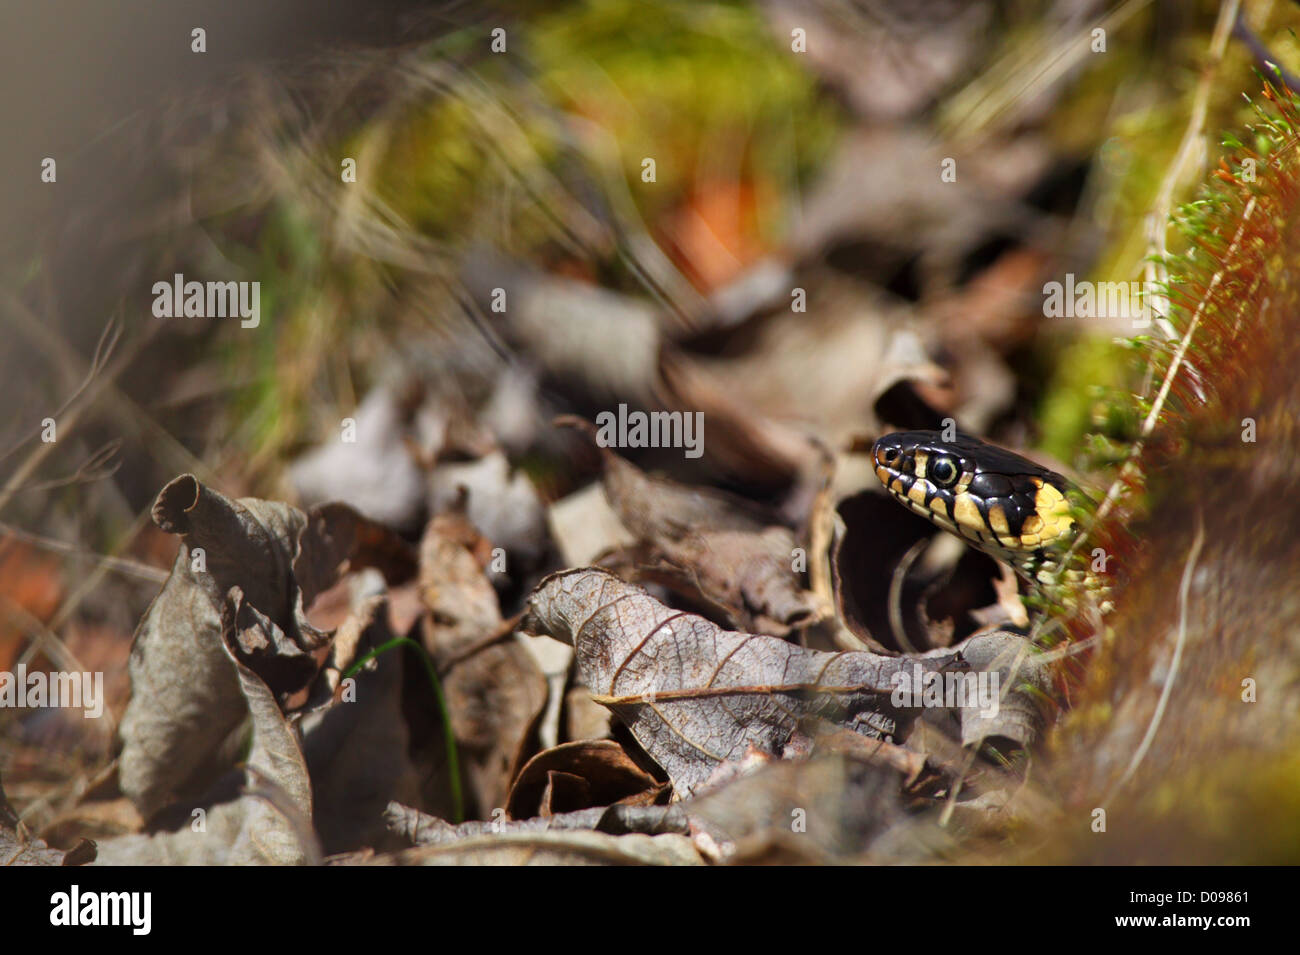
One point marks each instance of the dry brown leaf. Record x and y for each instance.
(269, 823)
(598, 773)
(819, 810)
(695, 695)
(422, 829)
(247, 569)
(453, 586)
(496, 693)
(616, 835)
(888, 587)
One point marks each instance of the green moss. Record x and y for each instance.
(1089, 402)
(705, 90)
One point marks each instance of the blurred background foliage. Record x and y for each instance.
(478, 148)
(474, 150)
(774, 168)
(538, 154)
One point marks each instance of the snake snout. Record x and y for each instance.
(887, 452)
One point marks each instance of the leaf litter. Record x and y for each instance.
(674, 687)
(246, 740)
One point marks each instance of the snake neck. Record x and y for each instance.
(1055, 586)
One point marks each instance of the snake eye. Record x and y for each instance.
(943, 471)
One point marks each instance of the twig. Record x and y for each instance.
(896, 623)
(55, 649)
(130, 568)
(108, 340)
(97, 467)
(1032, 70)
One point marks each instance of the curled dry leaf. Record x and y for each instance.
(245, 569)
(576, 776)
(461, 601)
(695, 695)
(880, 592)
(267, 824)
(718, 550)
(613, 835)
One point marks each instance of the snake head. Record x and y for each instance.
(1003, 504)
